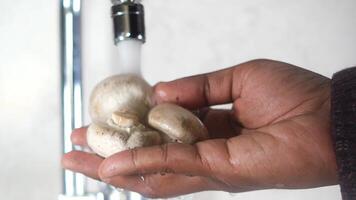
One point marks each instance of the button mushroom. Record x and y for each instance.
(126, 93)
(119, 107)
(179, 124)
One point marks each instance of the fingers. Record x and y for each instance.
(170, 158)
(162, 186)
(82, 162)
(79, 136)
(202, 90)
(206, 158)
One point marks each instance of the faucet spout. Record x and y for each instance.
(128, 20)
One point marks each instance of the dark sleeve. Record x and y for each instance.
(343, 111)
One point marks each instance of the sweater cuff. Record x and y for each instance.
(343, 114)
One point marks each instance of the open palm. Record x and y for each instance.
(277, 135)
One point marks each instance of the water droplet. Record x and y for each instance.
(142, 178)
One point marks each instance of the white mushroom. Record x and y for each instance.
(119, 108)
(179, 124)
(106, 141)
(125, 93)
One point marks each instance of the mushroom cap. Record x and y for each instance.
(121, 93)
(144, 138)
(177, 123)
(106, 141)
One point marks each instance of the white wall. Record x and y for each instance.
(29, 100)
(183, 37)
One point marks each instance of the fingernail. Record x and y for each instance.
(159, 94)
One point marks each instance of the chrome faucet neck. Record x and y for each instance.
(128, 20)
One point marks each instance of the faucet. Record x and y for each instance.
(128, 26)
(128, 20)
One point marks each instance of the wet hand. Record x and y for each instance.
(276, 135)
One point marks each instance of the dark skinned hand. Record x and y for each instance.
(277, 135)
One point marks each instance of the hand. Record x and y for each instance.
(277, 135)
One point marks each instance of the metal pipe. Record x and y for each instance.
(73, 184)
